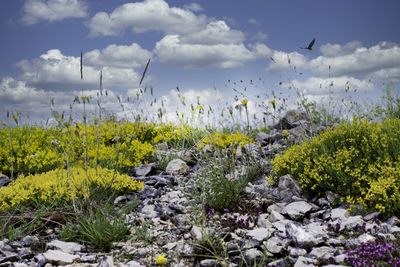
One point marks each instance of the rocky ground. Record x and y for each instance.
(271, 225)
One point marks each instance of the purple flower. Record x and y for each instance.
(226, 210)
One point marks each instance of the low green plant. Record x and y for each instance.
(360, 161)
(142, 232)
(99, 229)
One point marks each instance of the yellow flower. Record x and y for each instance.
(244, 102)
(161, 260)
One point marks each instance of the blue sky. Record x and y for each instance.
(197, 46)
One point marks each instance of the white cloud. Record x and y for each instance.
(145, 16)
(327, 86)
(335, 50)
(216, 32)
(282, 61)
(383, 58)
(170, 50)
(57, 72)
(118, 56)
(194, 7)
(52, 10)
(253, 21)
(259, 36)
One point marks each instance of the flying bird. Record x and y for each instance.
(310, 45)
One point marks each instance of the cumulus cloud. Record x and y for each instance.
(326, 86)
(259, 36)
(145, 16)
(52, 10)
(170, 50)
(118, 56)
(253, 21)
(193, 6)
(282, 61)
(334, 50)
(34, 105)
(57, 72)
(383, 58)
(216, 32)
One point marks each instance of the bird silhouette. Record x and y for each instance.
(310, 45)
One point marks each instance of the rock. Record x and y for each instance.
(302, 236)
(4, 180)
(177, 166)
(305, 262)
(275, 216)
(297, 210)
(339, 213)
(288, 187)
(208, 263)
(350, 222)
(259, 234)
(106, 261)
(371, 216)
(144, 170)
(252, 256)
(296, 252)
(393, 221)
(59, 257)
(276, 245)
(67, 247)
(322, 252)
(290, 119)
(197, 233)
(149, 211)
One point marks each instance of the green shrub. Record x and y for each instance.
(61, 185)
(359, 161)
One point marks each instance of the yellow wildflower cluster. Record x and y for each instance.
(359, 161)
(61, 185)
(222, 140)
(113, 145)
(175, 135)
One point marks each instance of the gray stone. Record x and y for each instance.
(263, 221)
(177, 166)
(149, 211)
(59, 257)
(259, 234)
(305, 262)
(323, 252)
(67, 247)
(106, 261)
(279, 263)
(208, 263)
(275, 216)
(288, 182)
(339, 213)
(350, 222)
(302, 236)
(252, 255)
(143, 170)
(297, 210)
(4, 180)
(276, 245)
(371, 216)
(393, 221)
(296, 252)
(281, 225)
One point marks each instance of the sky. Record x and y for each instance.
(205, 56)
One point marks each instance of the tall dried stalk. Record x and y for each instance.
(144, 72)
